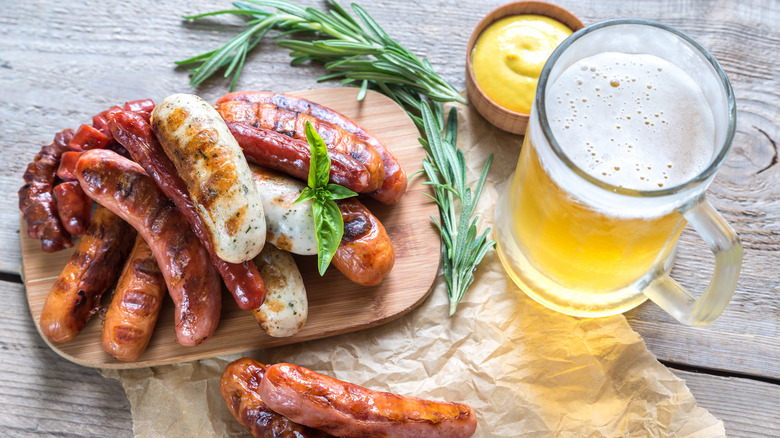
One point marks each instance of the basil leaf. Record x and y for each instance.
(329, 228)
(306, 194)
(319, 164)
(339, 192)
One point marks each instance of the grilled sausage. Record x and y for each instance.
(216, 174)
(365, 254)
(290, 156)
(239, 385)
(136, 303)
(285, 310)
(395, 182)
(93, 268)
(292, 124)
(290, 225)
(348, 410)
(123, 187)
(73, 207)
(131, 130)
(36, 200)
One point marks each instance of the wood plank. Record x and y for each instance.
(56, 72)
(748, 408)
(43, 394)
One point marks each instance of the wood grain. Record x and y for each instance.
(747, 408)
(61, 62)
(336, 305)
(41, 393)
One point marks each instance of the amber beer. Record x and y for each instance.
(624, 138)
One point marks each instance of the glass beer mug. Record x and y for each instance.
(630, 123)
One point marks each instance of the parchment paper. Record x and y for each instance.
(526, 370)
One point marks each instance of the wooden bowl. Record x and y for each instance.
(502, 118)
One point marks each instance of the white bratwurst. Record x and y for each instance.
(285, 308)
(290, 225)
(217, 176)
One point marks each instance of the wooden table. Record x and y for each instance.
(61, 62)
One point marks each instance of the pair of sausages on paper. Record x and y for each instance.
(286, 400)
(121, 185)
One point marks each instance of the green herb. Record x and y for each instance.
(358, 51)
(328, 224)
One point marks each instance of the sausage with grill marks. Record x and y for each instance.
(131, 130)
(348, 410)
(239, 388)
(135, 306)
(91, 270)
(291, 123)
(123, 187)
(395, 181)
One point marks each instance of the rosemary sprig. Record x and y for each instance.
(358, 51)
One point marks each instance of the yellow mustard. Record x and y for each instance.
(509, 57)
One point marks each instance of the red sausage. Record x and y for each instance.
(348, 410)
(365, 254)
(123, 187)
(239, 388)
(73, 206)
(93, 268)
(67, 169)
(395, 182)
(135, 306)
(290, 156)
(87, 138)
(292, 124)
(131, 130)
(36, 200)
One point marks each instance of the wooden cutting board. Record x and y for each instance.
(336, 305)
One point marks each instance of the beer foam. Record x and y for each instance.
(632, 120)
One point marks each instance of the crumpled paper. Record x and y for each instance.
(526, 370)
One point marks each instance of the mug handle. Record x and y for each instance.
(725, 245)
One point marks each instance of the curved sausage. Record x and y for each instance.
(239, 385)
(395, 182)
(73, 206)
(36, 200)
(93, 268)
(210, 162)
(284, 154)
(285, 310)
(292, 124)
(242, 279)
(123, 187)
(136, 303)
(348, 410)
(365, 254)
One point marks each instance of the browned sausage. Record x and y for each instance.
(67, 168)
(395, 182)
(123, 187)
(93, 268)
(290, 156)
(348, 410)
(36, 200)
(243, 280)
(292, 124)
(136, 303)
(73, 206)
(239, 387)
(365, 254)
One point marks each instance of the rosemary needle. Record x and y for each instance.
(359, 52)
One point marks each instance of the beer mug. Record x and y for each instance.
(630, 123)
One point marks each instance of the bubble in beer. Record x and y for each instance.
(616, 138)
